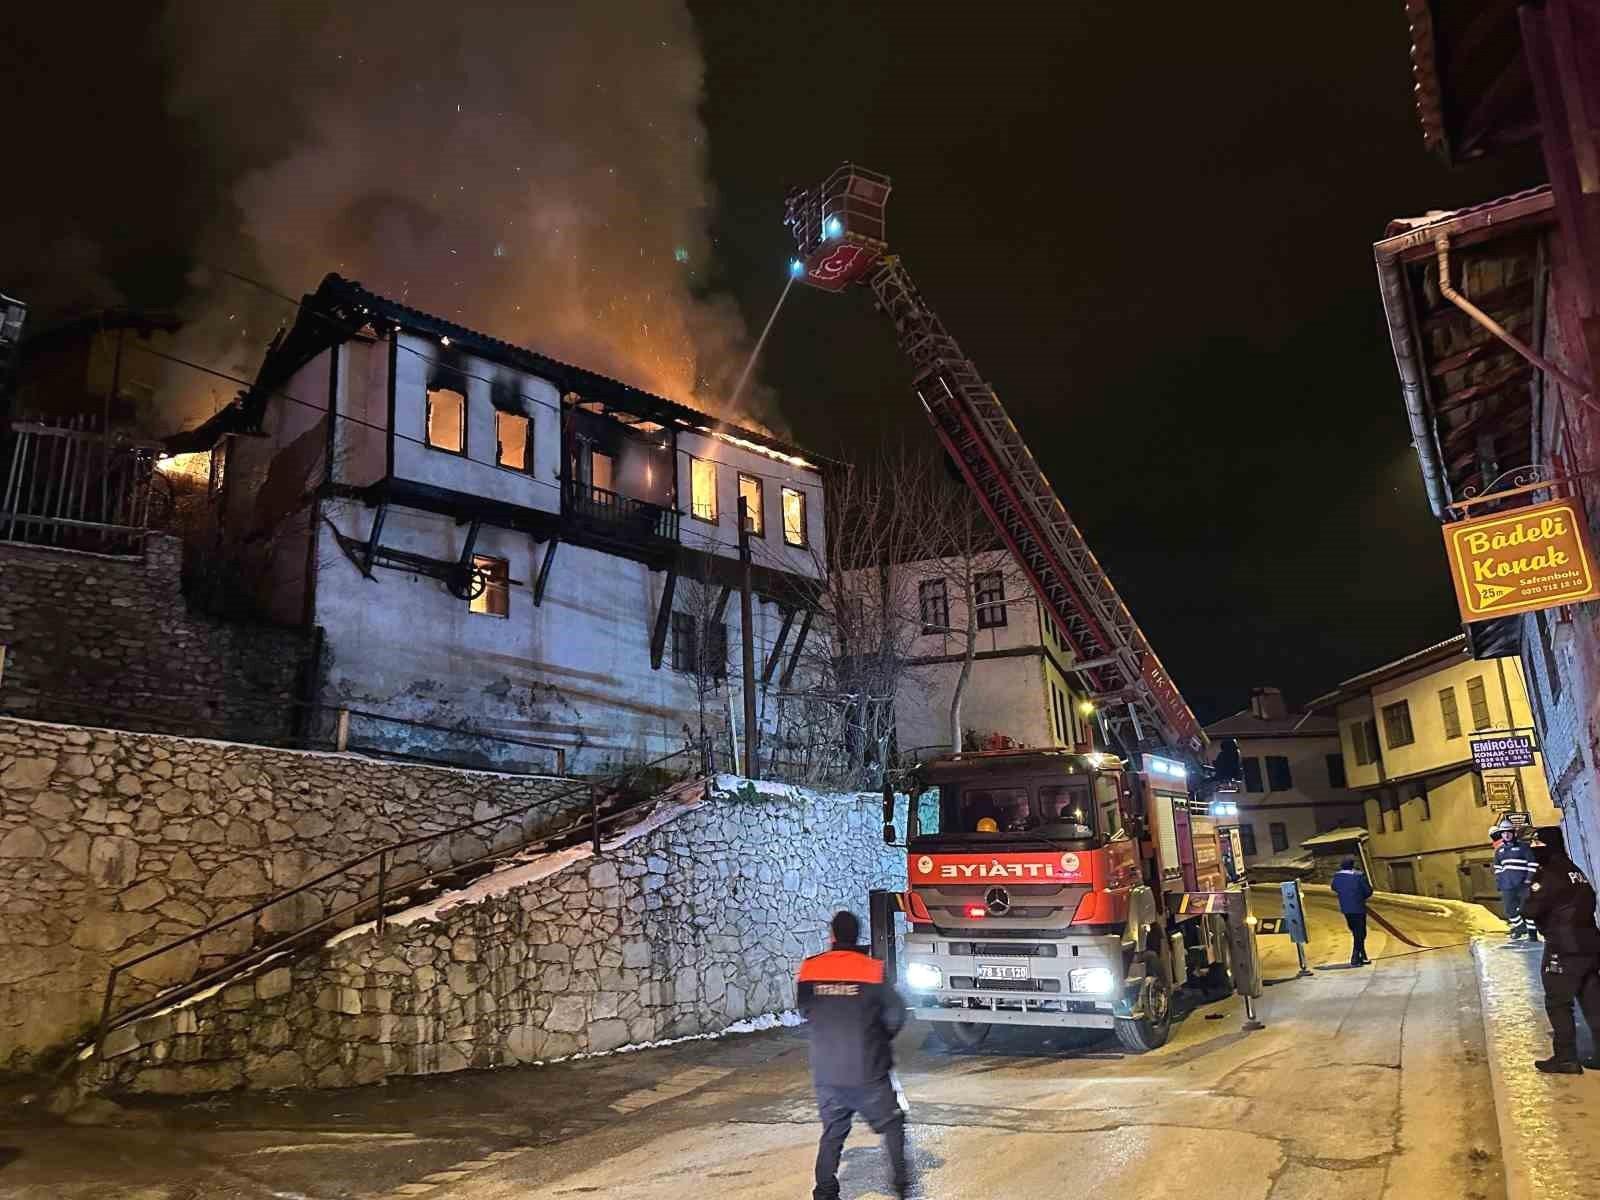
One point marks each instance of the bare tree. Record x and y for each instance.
(697, 645)
(960, 549)
(837, 717)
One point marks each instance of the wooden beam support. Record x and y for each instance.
(799, 645)
(544, 571)
(777, 647)
(1515, 371)
(374, 536)
(1494, 421)
(1489, 347)
(471, 544)
(658, 636)
(720, 612)
(1506, 305)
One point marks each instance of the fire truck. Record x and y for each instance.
(1052, 886)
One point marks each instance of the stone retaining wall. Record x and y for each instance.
(112, 842)
(92, 638)
(683, 930)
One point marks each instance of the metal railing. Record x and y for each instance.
(622, 514)
(70, 485)
(593, 822)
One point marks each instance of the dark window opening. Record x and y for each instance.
(1279, 832)
(1247, 839)
(1450, 714)
(1397, 724)
(699, 647)
(1252, 775)
(685, 644)
(1478, 698)
(933, 600)
(1279, 778)
(1545, 644)
(990, 592)
(1336, 777)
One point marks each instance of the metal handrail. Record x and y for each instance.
(613, 508)
(385, 887)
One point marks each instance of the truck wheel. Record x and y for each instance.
(1152, 1029)
(963, 1035)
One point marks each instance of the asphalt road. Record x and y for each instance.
(1365, 1083)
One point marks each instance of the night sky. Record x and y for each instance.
(1153, 235)
(1151, 230)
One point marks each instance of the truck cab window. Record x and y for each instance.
(1107, 789)
(1007, 808)
(1065, 810)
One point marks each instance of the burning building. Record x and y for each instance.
(506, 557)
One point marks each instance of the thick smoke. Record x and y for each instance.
(537, 171)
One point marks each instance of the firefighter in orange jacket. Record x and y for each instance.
(853, 1013)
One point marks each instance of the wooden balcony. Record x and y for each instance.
(620, 522)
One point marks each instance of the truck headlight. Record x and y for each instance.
(923, 977)
(1092, 979)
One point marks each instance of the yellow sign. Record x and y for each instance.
(1500, 793)
(1536, 557)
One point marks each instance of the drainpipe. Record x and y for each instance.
(1391, 283)
(1442, 245)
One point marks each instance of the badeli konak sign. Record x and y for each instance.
(1537, 557)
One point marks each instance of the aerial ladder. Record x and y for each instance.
(839, 235)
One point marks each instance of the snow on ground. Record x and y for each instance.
(787, 1019)
(732, 784)
(1474, 919)
(530, 867)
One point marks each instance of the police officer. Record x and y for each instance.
(1513, 873)
(854, 1014)
(1561, 904)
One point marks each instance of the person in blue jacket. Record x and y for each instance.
(1352, 888)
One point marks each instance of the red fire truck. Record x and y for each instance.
(1047, 887)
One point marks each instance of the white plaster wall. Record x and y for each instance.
(574, 671)
(268, 481)
(361, 412)
(1350, 714)
(1004, 695)
(299, 408)
(476, 474)
(1313, 805)
(723, 537)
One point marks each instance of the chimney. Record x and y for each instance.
(1267, 704)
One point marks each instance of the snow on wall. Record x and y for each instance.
(689, 927)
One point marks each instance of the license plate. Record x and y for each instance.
(1001, 971)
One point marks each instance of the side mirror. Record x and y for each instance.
(888, 833)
